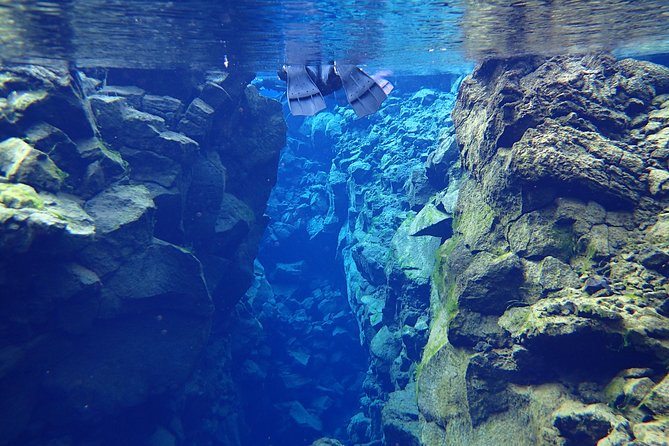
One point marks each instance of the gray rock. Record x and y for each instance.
(21, 163)
(657, 401)
(38, 94)
(166, 107)
(176, 281)
(162, 437)
(587, 424)
(75, 292)
(414, 341)
(400, 419)
(214, 94)
(302, 417)
(629, 391)
(580, 160)
(122, 125)
(197, 119)
(120, 206)
(326, 442)
(594, 284)
(431, 221)
(60, 148)
(655, 259)
(536, 235)
(415, 256)
(124, 224)
(105, 166)
(555, 275)
(370, 260)
(468, 328)
(651, 433)
(234, 221)
(132, 94)
(490, 283)
(288, 272)
(148, 167)
(359, 428)
(359, 171)
(28, 218)
(440, 161)
(386, 345)
(176, 146)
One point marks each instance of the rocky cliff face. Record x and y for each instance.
(550, 325)
(346, 224)
(129, 218)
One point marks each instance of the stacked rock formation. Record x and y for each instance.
(107, 194)
(551, 323)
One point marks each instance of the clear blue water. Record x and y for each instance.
(302, 365)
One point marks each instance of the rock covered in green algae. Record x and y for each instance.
(651, 433)
(657, 400)
(562, 178)
(21, 163)
(30, 94)
(100, 316)
(28, 217)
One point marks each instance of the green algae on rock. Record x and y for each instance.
(559, 180)
(112, 308)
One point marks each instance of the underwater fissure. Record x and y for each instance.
(184, 263)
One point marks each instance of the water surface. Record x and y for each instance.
(406, 36)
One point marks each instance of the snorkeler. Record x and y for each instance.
(307, 84)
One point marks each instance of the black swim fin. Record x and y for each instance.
(304, 97)
(363, 93)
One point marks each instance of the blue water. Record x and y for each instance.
(407, 37)
(298, 355)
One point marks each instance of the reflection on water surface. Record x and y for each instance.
(410, 37)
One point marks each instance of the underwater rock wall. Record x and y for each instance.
(344, 215)
(388, 171)
(129, 221)
(550, 326)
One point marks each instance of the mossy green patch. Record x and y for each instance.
(565, 240)
(112, 154)
(437, 340)
(21, 101)
(474, 220)
(443, 302)
(440, 270)
(19, 196)
(585, 263)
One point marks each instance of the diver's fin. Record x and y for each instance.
(385, 84)
(362, 92)
(304, 97)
